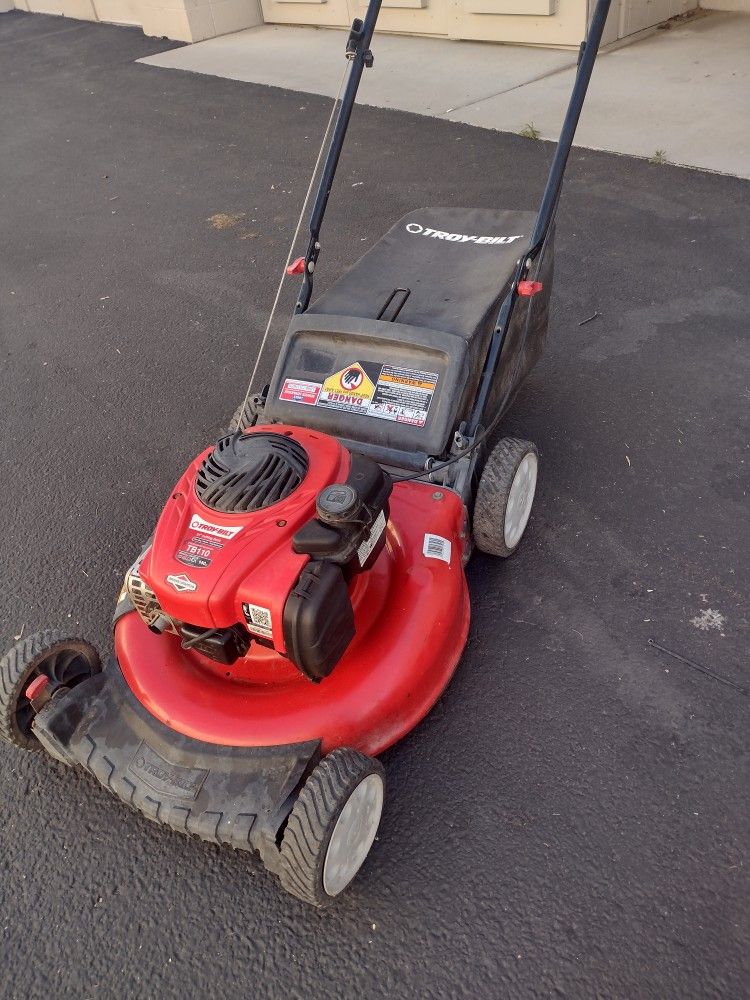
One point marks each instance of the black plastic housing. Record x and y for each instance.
(338, 539)
(223, 645)
(318, 620)
(424, 300)
(224, 794)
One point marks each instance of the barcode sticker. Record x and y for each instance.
(258, 620)
(437, 547)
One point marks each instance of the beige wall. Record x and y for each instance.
(181, 20)
(538, 22)
(743, 6)
(543, 22)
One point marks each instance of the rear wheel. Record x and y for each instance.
(505, 496)
(246, 414)
(332, 826)
(63, 659)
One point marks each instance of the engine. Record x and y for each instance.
(259, 543)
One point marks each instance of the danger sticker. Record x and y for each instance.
(350, 389)
(403, 395)
(295, 390)
(437, 547)
(258, 620)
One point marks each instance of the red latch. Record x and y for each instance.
(528, 288)
(297, 266)
(37, 686)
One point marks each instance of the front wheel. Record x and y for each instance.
(332, 826)
(65, 660)
(505, 496)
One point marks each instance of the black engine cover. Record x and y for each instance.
(318, 620)
(345, 538)
(247, 472)
(339, 534)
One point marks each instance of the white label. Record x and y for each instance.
(258, 620)
(371, 541)
(182, 583)
(403, 395)
(207, 528)
(438, 234)
(297, 390)
(437, 547)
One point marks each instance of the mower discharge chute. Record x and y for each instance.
(302, 602)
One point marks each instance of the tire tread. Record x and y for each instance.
(15, 667)
(493, 492)
(313, 818)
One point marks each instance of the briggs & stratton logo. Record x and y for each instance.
(438, 234)
(181, 582)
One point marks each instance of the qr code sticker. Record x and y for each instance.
(258, 620)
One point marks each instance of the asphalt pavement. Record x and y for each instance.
(572, 820)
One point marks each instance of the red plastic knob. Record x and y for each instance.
(37, 686)
(297, 266)
(527, 288)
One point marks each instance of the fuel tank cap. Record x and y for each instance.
(337, 502)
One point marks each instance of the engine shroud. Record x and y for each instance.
(239, 553)
(412, 616)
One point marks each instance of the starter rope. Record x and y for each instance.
(295, 237)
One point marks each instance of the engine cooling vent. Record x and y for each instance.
(144, 599)
(248, 472)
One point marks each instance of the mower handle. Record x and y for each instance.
(359, 55)
(544, 220)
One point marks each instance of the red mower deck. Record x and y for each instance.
(412, 616)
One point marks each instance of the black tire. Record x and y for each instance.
(311, 824)
(246, 415)
(493, 494)
(62, 658)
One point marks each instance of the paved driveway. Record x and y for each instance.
(572, 819)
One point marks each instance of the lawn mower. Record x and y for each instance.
(302, 602)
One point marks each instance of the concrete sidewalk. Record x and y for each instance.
(684, 91)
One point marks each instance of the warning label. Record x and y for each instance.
(296, 390)
(350, 389)
(403, 395)
(388, 392)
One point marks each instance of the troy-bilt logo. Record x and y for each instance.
(164, 777)
(207, 528)
(181, 582)
(438, 234)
